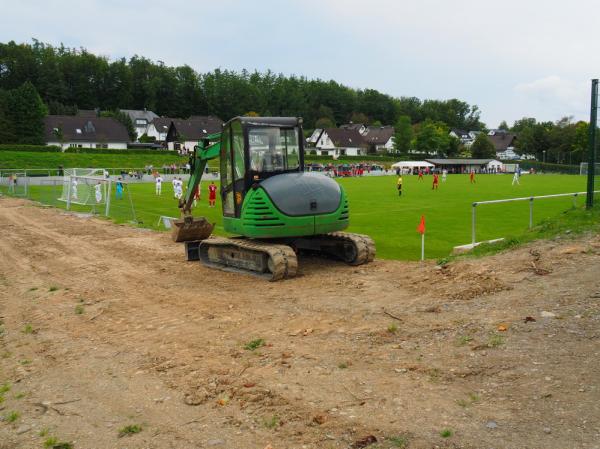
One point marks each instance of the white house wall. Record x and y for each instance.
(153, 132)
(111, 145)
(325, 142)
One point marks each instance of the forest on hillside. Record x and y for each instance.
(37, 79)
(68, 78)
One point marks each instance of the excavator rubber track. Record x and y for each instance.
(356, 249)
(269, 261)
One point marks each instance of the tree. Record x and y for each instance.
(26, 111)
(324, 122)
(403, 134)
(427, 138)
(580, 144)
(525, 122)
(503, 125)
(145, 138)
(482, 147)
(433, 138)
(326, 112)
(454, 147)
(359, 117)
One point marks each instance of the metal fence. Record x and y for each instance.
(531, 200)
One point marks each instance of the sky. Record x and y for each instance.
(512, 58)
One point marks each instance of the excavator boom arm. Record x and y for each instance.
(204, 153)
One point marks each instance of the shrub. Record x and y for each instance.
(30, 148)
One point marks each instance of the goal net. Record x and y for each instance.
(72, 192)
(583, 168)
(88, 191)
(14, 183)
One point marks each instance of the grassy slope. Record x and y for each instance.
(570, 222)
(377, 210)
(31, 160)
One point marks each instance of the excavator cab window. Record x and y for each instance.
(226, 173)
(273, 149)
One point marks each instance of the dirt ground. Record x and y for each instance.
(106, 326)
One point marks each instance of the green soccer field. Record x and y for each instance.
(377, 210)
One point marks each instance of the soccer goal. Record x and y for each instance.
(14, 183)
(583, 168)
(73, 173)
(91, 191)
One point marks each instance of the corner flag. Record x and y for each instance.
(421, 227)
(421, 230)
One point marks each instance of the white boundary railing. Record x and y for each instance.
(509, 200)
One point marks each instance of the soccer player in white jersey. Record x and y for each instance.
(179, 189)
(158, 181)
(174, 182)
(98, 192)
(74, 189)
(516, 178)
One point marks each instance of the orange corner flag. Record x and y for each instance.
(421, 227)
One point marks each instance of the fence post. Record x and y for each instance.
(473, 224)
(589, 201)
(574, 201)
(530, 212)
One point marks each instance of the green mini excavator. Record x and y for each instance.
(272, 207)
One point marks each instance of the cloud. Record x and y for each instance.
(486, 53)
(569, 96)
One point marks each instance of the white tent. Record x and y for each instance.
(411, 166)
(495, 166)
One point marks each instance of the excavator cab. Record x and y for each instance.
(254, 149)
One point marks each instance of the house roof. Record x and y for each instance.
(140, 114)
(378, 135)
(84, 129)
(460, 132)
(162, 123)
(463, 161)
(412, 164)
(87, 113)
(195, 128)
(342, 137)
(316, 134)
(502, 140)
(352, 126)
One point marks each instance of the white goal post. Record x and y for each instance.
(583, 168)
(87, 191)
(69, 173)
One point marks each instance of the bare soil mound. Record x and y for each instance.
(106, 326)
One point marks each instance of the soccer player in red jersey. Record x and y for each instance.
(212, 194)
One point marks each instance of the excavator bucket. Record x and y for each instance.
(190, 228)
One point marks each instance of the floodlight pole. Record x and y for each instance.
(589, 202)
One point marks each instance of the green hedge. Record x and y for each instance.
(115, 151)
(547, 167)
(370, 158)
(56, 149)
(34, 148)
